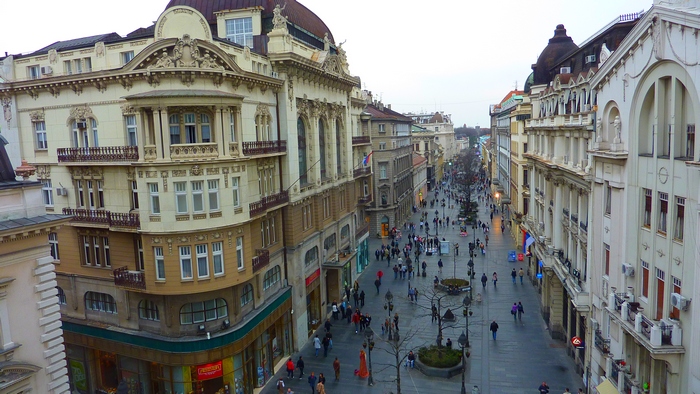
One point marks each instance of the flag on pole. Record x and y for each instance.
(527, 241)
(365, 161)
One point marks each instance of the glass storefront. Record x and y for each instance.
(362, 257)
(346, 274)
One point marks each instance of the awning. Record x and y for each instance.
(607, 388)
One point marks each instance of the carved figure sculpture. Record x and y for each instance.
(279, 21)
(164, 60)
(617, 124)
(326, 42)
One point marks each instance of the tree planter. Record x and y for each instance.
(445, 373)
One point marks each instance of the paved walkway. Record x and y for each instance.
(517, 362)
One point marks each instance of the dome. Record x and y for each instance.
(295, 12)
(437, 118)
(528, 83)
(559, 46)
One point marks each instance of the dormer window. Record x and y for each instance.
(240, 31)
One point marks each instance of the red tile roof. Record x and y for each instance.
(418, 160)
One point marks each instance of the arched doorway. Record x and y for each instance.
(385, 226)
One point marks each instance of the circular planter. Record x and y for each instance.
(445, 373)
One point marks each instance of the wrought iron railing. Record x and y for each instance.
(362, 171)
(261, 259)
(365, 199)
(268, 202)
(132, 279)
(360, 139)
(252, 148)
(601, 343)
(619, 299)
(647, 324)
(98, 154)
(113, 219)
(666, 334)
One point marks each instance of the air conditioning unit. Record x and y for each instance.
(47, 70)
(680, 302)
(627, 269)
(61, 191)
(565, 70)
(81, 125)
(594, 324)
(590, 59)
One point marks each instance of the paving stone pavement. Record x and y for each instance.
(517, 362)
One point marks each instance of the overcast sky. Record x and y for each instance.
(456, 56)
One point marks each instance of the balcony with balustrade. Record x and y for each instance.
(659, 337)
(268, 202)
(107, 219)
(364, 200)
(261, 259)
(361, 140)
(362, 171)
(259, 148)
(194, 152)
(98, 154)
(135, 280)
(601, 343)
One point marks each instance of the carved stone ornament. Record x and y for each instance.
(263, 110)
(656, 32)
(7, 109)
(246, 53)
(303, 107)
(53, 56)
(100, 49)
(279, 21)
(43, 172)
(195, 171)
(127, 109)
(37, 116)
(81, 112)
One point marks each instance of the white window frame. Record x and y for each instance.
(217, 253)
(141, 263)
(197, 196)
(81, 196)
(126, 57)
(382, 128)
(202, 260)
(213, 192)
(100, 194)
(240, 31)
(679, 222)
(383, 170)
(181, 197)
(53, 244)
(160, 263)
(40, 132)
(155, 198)
(186, 263)
(93, 127)
(131, 130)
(239, 253)
(232, 121)
(47, 192)
(235, 182)
(134, 195)
(105, 252)
(33, 72)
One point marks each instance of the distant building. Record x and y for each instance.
(441, 125)
(425, 144)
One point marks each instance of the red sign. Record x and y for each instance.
(209, 371)
(311, 278)
(576, 341)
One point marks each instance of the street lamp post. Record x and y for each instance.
(462, 344)
(388, 297)
(369, 343)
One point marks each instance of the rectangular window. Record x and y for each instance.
(326, 207)
(86, 251)
(236, 192)
(160, 262)
(81, 196)
(382, 146)
(78, 66)
(660, 292)
(240, 31)
(140, 263)
(607, 259)
(690, 141)
(67, 67)
(198, 196)
(202, 261)
(186, 262)
(647, 208)
(232, 123)
(205, 128)
(131, 138)
(96, 250)
(645, 279)
(174, 122)
(181, 197)
(47, 192)
(675, 312)
(88, 64)
(680, 216)
(134, 195)
(53, 244)
(382, 128)
(382, 171)
(100, 195)
(33, 72)
(155, 198)
(40, 130)
(127, 56)
(239, 253)
(217, 253)
(608, 199)
(190, 129)
(213, 191)
(95, 139)
(105, 251)
(663, 213)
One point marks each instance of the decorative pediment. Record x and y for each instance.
(332, 65)
(80, 112)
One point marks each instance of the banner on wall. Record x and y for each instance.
(79, 377)
(210, 371)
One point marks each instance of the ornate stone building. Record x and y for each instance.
(439, 124)
(426, 145)
(207, 163)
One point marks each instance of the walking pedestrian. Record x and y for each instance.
(434, 314)
(290, 368)
(493, 328)
(521, 273)
(336, 368)
(317, 345)
(544, 389)
(396, 321)
(356, 320)
(356, 297)
(300, 367)
(521, 310)
(312, 382)
(348, 313)
(280, 386)
(327, 325)
(329, 335)
(514, 311)
(396, 271)
(362, 298)
(484, 279)
(440, 267)
(326, 343)
(377, 283)
(335, 310)
(513, 275)
(495, 279)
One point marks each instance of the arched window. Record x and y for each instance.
(322, 148)
(311, 256)
(190, 128)
(301, 142)
(100, 302)
(338, 163)
(272, 276)
(246, 294)
(61, 296)
(148, 310)
(344, 233)
(199, 312)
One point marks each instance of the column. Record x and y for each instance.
(160, 117)
(548, 225)
(559, 148)
(533, 184)
(140, 131)
(558, 228)
(219, 129)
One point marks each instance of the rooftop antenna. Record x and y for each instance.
(516, 85)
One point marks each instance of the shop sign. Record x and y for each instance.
(577, 342)
(209, 371)
(311, 278)
(77, 369)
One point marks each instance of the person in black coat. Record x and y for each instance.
(362, 298)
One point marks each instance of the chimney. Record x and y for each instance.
(389, 106)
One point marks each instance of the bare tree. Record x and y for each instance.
(441, 301)
(398, 349)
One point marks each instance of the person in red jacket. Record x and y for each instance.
(356, 320)
(290, 369)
